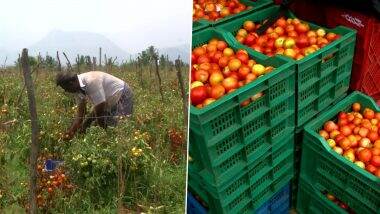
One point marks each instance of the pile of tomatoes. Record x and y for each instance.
(217, 70)
(50, 182)
(289, 37)
(338, 202)
(356, 137)
(216, 9)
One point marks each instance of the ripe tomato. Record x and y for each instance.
(199, 51)
(230, 83)
(370, 168)
(356, 107)
(302, 28)
(201, 75)
(344, 143)
(281, 22)
(373, 136)
(375, 161)
(330, 126)
(221, 45)
(365, 155)
(217, 91)
(324, 134)
(223, 61)
(198, 95)
(243, 57)
(345, 130)
(243, 71)
(368, 113)
(377, 173)
(203, 59)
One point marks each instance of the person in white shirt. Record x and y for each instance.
(110, 96)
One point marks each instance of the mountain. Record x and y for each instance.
(77, 42)
(173, 52)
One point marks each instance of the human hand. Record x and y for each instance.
(68, 135)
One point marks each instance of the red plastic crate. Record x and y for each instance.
(366, 66)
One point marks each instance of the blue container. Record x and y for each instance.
(51, 165)
(278, 204)
(193, 206)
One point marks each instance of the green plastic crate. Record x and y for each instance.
(253, 186)
(228, 137)
(319, 82)
(313, 201)
(256, 6)
(327, 170)
(200, 25)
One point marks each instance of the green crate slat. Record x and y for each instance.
(319, 82)
(200, 25)
(256, 6)
(227, 136)
(327, 170)
(257, 183)
(313, 201)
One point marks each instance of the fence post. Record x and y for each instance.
(35, 131)
(59, 62)
(159, 78)
(178, 65)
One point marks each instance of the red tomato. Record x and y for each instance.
(368, 113)
(345, 130)
(356, 107)
(198, 95)
(324, 134)
(302, 41)
(373, 136)
(199, 51)
(203, 59)
(370, 168)
(377, 172)
(375, 161)
(330, 126)
(230, 83)
(217, 91)
(365, 155)
(243, 71)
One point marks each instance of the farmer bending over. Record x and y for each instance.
(110, 96)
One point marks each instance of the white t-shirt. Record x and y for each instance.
(101, 87)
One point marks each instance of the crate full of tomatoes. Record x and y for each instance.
(207, 13)
(341, 153)
(241, 105)
(323, 57)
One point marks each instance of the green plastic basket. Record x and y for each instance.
(200, 25)
(327, 170)
(319, 82)
(254, 185)
(313, 201)
(256, 6)
(229, 137)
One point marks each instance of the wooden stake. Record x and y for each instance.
(100, 58)
(93, 63)
(59, 62)
(35, 131)
(159, 78)
(68, 62)
(178, 65)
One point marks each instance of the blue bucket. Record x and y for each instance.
(51, 165)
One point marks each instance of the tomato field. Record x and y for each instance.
(150, 147)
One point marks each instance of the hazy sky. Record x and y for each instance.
(131, 24)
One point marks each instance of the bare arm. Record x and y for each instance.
(79, 117)
(100, 114)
